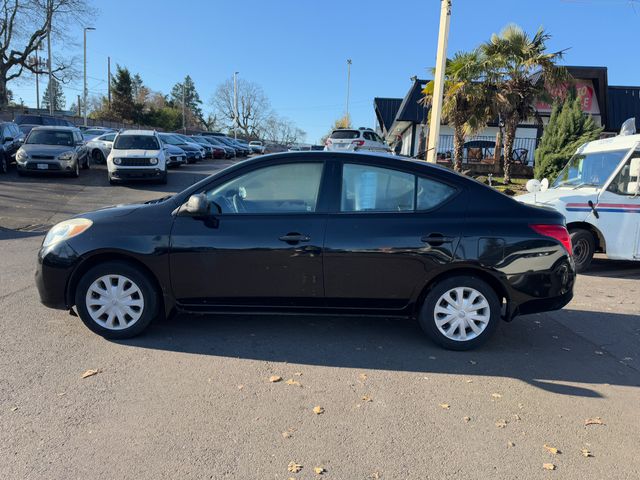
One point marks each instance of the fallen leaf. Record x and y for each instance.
(466, 419)
(551, 450)
(627, 359)
(496, 395)
(291, 381)
(446, 406)
(548, 466)
(363, 376)
(286, 434)
(594, 421)
(566, 349)
(275, 378)
(586, 453)
(61, 394)
(501, 423)
(599, 352)
(375, 476)
(469, 381)
(367, 398)
(511, 444)
(91, 372)
(319, 470)
(298, 374)
(318, 410)
(13, 409)
(431, 357)
(294, 467)
(473, 362)
(516, 417)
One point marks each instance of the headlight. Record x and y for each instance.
(66, 230)
(66, 156)
(22, 156)
(117, 161)
(153, 161)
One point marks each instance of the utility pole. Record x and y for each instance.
(84, 91)
(37, 77)
(51, 111)
(79, 106)
(438, 81)
(184, 124)
(348, 85)
(109, 81)
(235, 105)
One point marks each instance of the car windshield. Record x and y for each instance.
(172, 140)
(345, 134)
(591, 169)
(50, 137)
(136, 142)
(93, 132)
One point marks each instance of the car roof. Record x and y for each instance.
(150, 133)
(55, 127)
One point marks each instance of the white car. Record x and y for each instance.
(137, 155)
(352, 140)
(257, 147)
(100, 147)
(598, 192)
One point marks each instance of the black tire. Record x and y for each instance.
(85, 165)
(149, 295)
(98, 157)
(111, 180)
(427, 317)
(4, 163)
(584, 246)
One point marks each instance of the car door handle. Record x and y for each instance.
(436, 239)
(294, 238)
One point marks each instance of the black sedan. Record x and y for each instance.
(316, 232)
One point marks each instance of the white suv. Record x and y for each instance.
(137, 155)
(352, 140)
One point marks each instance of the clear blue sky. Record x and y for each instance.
(297, 49)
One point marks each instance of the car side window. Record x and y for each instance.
(373, 189)
(627, 182)
(109, 137)
(285, 188)
(432, 193)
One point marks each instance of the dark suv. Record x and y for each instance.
(12, 138)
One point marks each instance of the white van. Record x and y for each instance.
(137, 155)
(598, 192)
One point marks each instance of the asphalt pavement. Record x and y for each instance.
(193, 399)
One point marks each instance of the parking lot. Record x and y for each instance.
(192, 398)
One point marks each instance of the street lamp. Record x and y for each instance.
(84, 91)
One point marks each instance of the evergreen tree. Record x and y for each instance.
(58, 96)
(192, 101)
(122, 102)
(568, 128)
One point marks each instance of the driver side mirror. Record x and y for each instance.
(199, 206)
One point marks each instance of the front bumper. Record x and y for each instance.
(137, 173)
(52, 166)
(53, 272)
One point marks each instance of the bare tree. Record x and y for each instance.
(254, 108)
(282, 131)
(23, 28)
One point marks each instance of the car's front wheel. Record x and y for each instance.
(116, 300)
(460, 313)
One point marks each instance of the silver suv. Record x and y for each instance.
(352, 140)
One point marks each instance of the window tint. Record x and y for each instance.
(345, 134)
(367, 188)
(108, 138)
(136, 142)
(432, 193)
(287, 188)
(627, 181)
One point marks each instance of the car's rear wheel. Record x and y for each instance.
(460, 313)
(584, 246)
(116, 300)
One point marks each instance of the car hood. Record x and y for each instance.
(173, 150)
(560, 197)
(187, 147)
(115, 211)
(135, 153)
(54, 150)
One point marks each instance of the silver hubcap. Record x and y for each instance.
(462, 314)
(114, 302)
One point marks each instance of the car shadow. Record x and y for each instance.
(535, 349)
(602, 267)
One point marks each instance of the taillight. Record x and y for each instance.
(358, 143)
(557, 232)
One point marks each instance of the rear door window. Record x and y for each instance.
(367, 188)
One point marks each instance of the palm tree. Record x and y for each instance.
(520, 69)
(466, 106)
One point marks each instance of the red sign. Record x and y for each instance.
(585, 92)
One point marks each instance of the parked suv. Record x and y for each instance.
(137, 155)
(351, 140)
(53, 150)
(11, 138)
